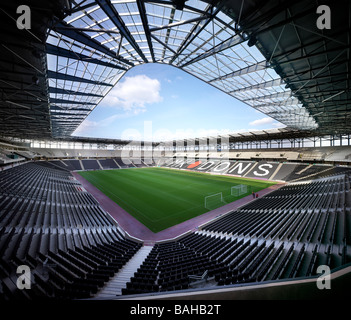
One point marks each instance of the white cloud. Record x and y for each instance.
(88, 127)
(133, 94)
(85, 127)
(261, 122)
(278, 125)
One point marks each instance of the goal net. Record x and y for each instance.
(239, 190)
(214, 201)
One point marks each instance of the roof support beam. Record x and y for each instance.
(250, 22)
(311, 55)
(163, 44)
(62, 52)
(71, 92)
(287, 20)
(66, 101)
(168, 32)
(142, 11)
(321, 78)
(277, 95)
(113, 15)
(70, 32)
(253, 68)
(63, 76)
(262, 85)
(195, 31)
(231, 42)
(54, 108)
(62, 117)
(80, 7)
(285, 54)
(179, 23)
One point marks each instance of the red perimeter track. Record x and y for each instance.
(136, 229)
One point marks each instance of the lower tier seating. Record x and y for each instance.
(71, 245)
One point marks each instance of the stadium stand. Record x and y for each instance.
(108, 164)
(262, 169)
(50, 223)
(73, 164)
(138, 163)
(341, 155)
(286, 234)
(9, 157)
(90, 164)
(273, 56)
(290, 202)
(125, 163)
(58, 164)
(293, 214)
(149, 161)
(258, 169)
(285, 171)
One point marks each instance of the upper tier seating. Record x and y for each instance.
(259, 170)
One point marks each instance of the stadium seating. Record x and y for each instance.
(91, 164)
(304, 219)
(50, 223)
(169, 267)
(7, 157)
(124, 163)
(108, 164)
(285, 234)
(257, 169)
(73, 164)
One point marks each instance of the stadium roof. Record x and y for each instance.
(268, 54)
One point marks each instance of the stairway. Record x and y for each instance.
(311, 175)
(98, 162)
(118, 282)
(81, 164)
(276, 171)
(116, 163)
(304, 169)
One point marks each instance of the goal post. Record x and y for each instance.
(214, 201)
(239, 190)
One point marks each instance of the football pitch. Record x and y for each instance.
(160, 197)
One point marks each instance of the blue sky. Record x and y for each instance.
(161, 102)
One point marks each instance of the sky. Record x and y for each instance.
(160, 102)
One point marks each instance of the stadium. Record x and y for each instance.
(261, 214)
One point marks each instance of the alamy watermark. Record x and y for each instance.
(324, 20)
(24, 281)
(144, 146)
(24, 21)
(323, 281)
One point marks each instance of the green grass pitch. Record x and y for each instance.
(160, 197)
